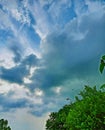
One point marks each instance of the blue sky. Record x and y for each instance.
(49, 49)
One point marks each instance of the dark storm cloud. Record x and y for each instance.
(16, 74)
(72, 53)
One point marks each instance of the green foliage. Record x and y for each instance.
(4, 125)
(87, 113)
(102, 64)
(103, 86)
(57, 120)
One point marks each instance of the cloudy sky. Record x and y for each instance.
(49, 49)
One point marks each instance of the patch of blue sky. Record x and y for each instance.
(33, 37)
(32, 19)
(84, 8)
(5, 35)
(31, 2)
(1, 7)
(46, 7)
(67, 15)
(98, 0)
(17, 24)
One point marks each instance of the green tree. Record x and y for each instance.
(89, 112)
(57, 120)
(86, 113)
(4, 125)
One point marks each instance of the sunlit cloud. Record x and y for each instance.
(38, 92)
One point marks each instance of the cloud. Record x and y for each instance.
(24, 120)
(17, 26)
(17, 73)
(73, 52)
(8, 105)
(42, 26)
(17, 53)
(5, 59)
(14, 96)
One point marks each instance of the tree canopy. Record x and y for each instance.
(87, 113)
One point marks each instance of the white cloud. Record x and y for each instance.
(8, 6)
(6, 23)
(31, 73)
(38, 92)
(42, 26)
(22, 119)
(27, 80)
(20, 16)
(6, 58)
(94, 5)
(57, 89)
(16, 14)
(4, 88)
(32, 70)
(20, 92)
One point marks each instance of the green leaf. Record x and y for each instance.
(102, 67)
(103, 57)
(103, 86)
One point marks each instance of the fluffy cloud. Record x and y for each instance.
(14, 96)
(63, 51)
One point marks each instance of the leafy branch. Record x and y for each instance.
(102, 64)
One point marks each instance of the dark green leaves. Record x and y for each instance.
(102, 63)
(4, 125)
(57, 120)
(103, 86)
(103, 57)
(101, 67)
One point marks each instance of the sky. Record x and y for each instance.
(49, 49)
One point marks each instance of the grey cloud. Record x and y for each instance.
(17, 53)
(17, 73)
(9, 104)
(30, 60)
(67, 57)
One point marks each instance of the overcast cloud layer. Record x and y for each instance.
(49, 50)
